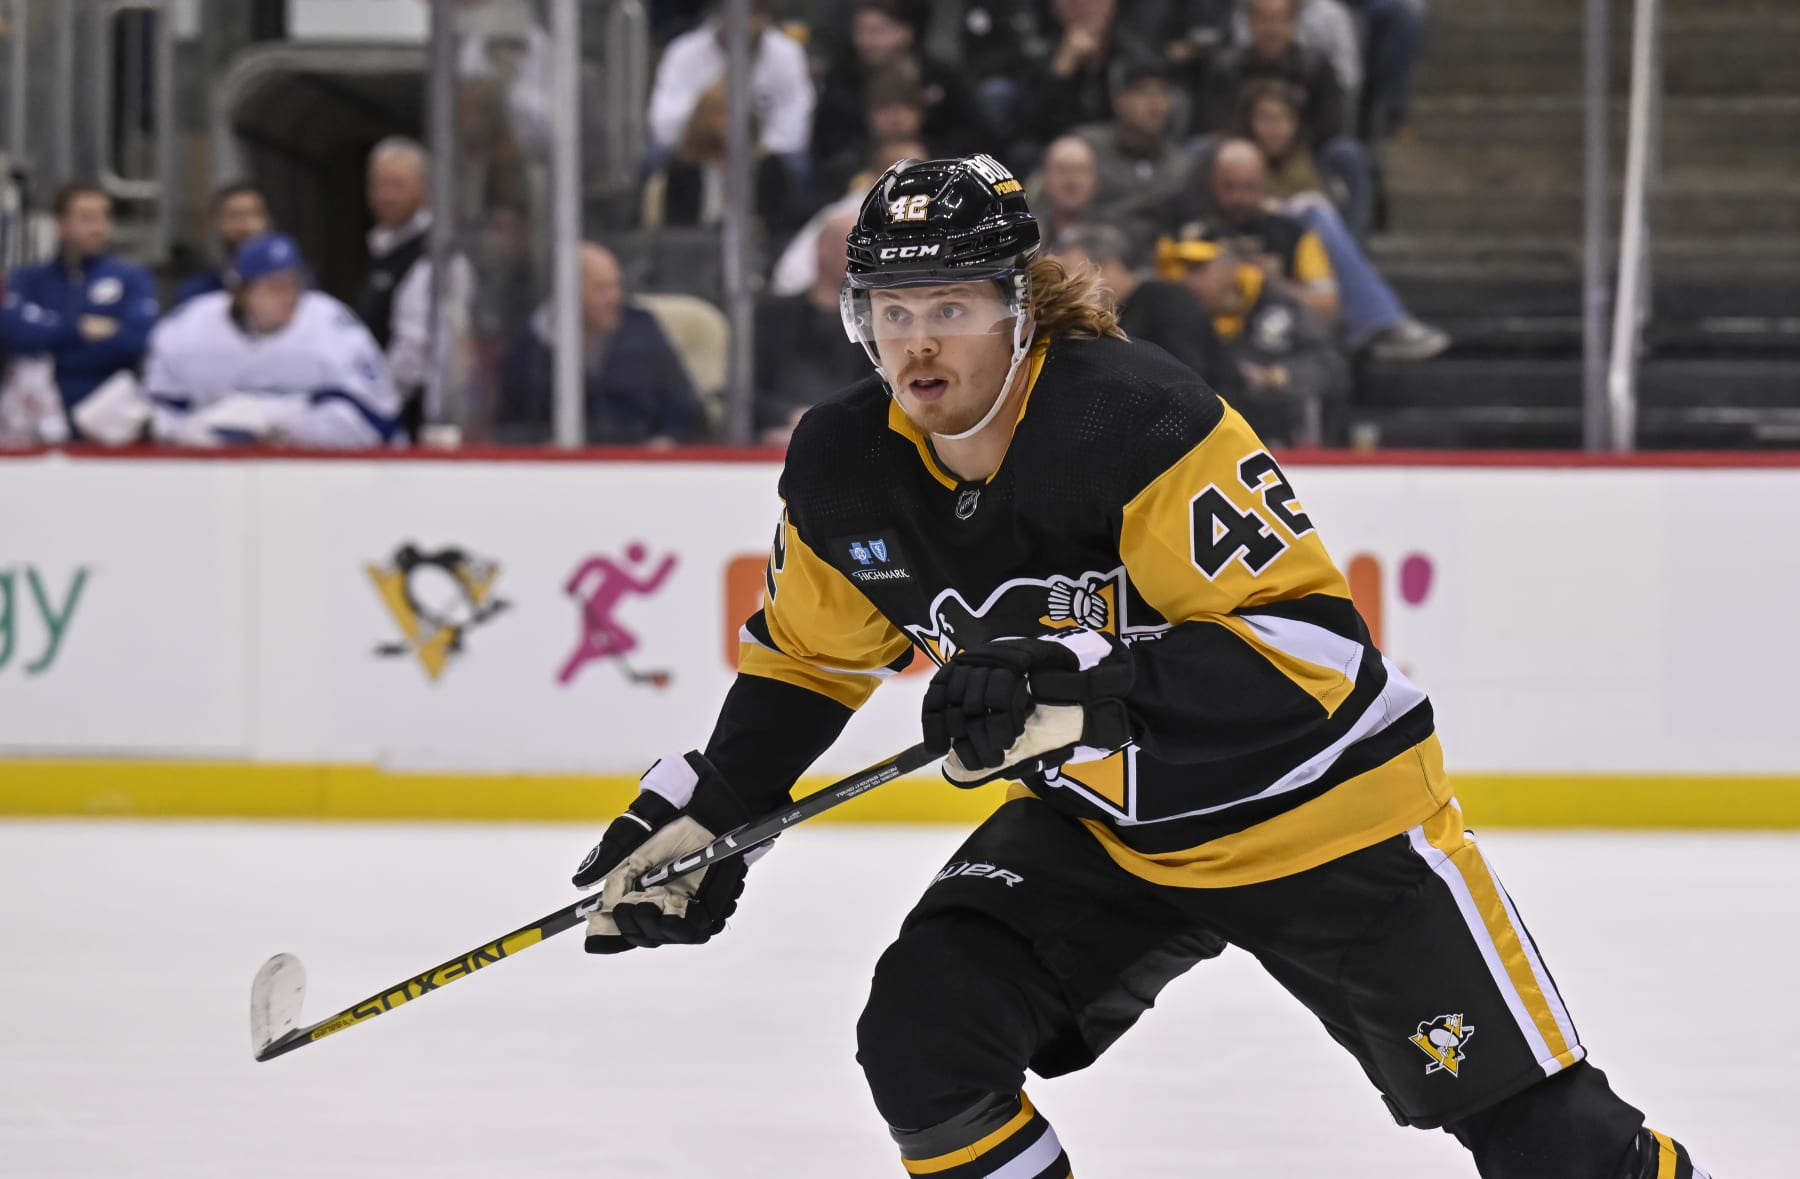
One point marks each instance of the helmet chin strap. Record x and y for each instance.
(1021, 348)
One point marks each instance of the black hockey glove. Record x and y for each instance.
(1020, 706)
(683, 804)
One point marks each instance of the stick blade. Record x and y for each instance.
(275, 999)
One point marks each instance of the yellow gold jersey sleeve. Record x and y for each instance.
(1220, 537)
(816, 630)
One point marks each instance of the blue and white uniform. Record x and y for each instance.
(320, 381)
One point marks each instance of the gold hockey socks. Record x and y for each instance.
(1002, 1138)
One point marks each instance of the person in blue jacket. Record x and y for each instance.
(636, 391)
(90, 312)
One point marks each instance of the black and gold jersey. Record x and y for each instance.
(1272, 735)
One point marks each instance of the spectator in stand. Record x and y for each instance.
(894, 112)
(635, 389)
(239, 213)
(1269, 116)
(268, 362)
(1282, 365)
(492, 170)
(1067, 188)
(883, 40)
(1143, 172)
(501, 305)
(1330, 29)
(1240, 214)
(884, 155)
(690, 190)
(1321, 265)
(502, 42)
(1073, 86)
(802, 356)
(998, 42)
(90, 313)
(395, 301)
(998, 37)
(1395, 30)
(780, 80)
(1165, 313)
(797, 267)
(1274, 51)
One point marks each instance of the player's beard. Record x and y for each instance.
(968, 397)
(967, 417)
(951, 413)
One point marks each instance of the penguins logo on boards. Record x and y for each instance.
(435, 598)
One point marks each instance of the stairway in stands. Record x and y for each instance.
(1485, 217)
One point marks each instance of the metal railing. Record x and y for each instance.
(18, 31)
(570, 412)
(1631, 300)
(117, 39)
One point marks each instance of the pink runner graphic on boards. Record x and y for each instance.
(598, 585)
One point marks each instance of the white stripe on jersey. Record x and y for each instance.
(1398, 697)
(1037, 1156)
(1564, 1024)
(1447, 871)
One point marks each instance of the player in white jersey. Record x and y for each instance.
(269, 361)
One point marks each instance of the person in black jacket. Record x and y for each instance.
(1275, 51)
(690, 190)
(636, 390)
(1073, 86)
(802, 356)
(1164, 313)
(882, 40)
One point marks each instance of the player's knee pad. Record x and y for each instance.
(1000, 1135)
(947, 1023)
(1567, 1126)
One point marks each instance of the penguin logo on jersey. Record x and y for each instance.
(1442, 1039)
(435, 597)
(1099, 600)
(1031, 606)
(1083, 604)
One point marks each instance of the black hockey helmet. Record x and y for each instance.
(929, 222)
(938, 221)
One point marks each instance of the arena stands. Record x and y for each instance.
(1433, 154)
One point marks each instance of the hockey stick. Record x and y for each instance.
(280, 986)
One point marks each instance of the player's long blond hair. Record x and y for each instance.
(1070, 303)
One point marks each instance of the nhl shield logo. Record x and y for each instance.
(1442, 1039)
(967, 502)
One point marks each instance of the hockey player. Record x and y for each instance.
(269, 361)
(1136, 621)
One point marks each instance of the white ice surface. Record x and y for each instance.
(126, 953)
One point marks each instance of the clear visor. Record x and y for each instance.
(892, 318)
(901, 314)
